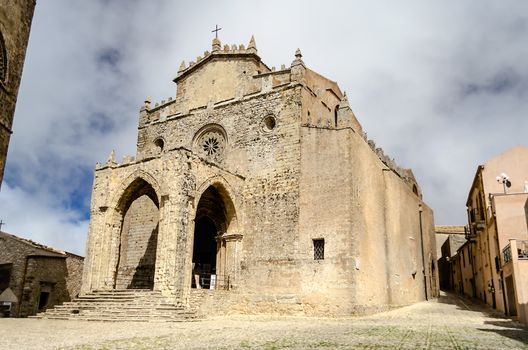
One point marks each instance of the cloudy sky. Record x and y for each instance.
(441, 86)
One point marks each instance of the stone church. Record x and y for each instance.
(259, 185)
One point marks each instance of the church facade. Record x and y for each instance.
(260, 183)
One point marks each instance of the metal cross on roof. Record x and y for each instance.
(216, 31)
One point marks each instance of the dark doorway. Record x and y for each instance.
(43, 300)
(510, 294)
(204, 251)
(5, 276)
(215, 240)
(213, 215)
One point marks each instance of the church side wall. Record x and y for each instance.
(370, 221)
(326, 213)
(342, 201)
(405, 232)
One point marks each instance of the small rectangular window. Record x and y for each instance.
(318, 245)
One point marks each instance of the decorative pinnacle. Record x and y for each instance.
(298, 54)
(216, 44)
(146, 103)
(252, 47)
(111, 158)
(298, 60)
(182, 66)
(344, 101)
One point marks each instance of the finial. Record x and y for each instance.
(182, 66)
(298, 68)
(298, 54)
(344, 101)
(298, 58)
(146, 103)
(252, 47)
(111, 158)
(216, 45)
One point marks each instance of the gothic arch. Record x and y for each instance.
(135, 225)
(216, 239)
(220, 184)
(126, 184)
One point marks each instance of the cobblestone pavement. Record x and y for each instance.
(446, 323)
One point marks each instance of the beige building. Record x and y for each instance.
(462, 271)
(259, 185)
(34, 277)
(498, 231)
(15, 23)
(448, 239)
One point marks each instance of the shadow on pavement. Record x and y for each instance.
(503, 325)
(519, 334)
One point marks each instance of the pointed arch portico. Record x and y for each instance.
(105, 252)
(216, 223)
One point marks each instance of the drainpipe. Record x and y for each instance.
(423, 254)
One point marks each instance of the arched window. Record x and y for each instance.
(335, 115)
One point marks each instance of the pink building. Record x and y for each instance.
(498, 232)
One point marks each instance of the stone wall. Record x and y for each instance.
(35, 267)
(15, 23)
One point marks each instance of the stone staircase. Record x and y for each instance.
(121, 305)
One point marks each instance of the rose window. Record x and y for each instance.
(211, 143)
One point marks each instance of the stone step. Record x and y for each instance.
(121, 305)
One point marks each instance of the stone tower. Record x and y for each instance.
(15, 23)
(259, 181)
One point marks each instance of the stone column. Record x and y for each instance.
(233, 248)
(183, 256)
(166, 249)
(220, 262)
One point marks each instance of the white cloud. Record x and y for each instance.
(35, 217)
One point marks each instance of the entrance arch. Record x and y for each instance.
(139, 207)
(215, 226)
